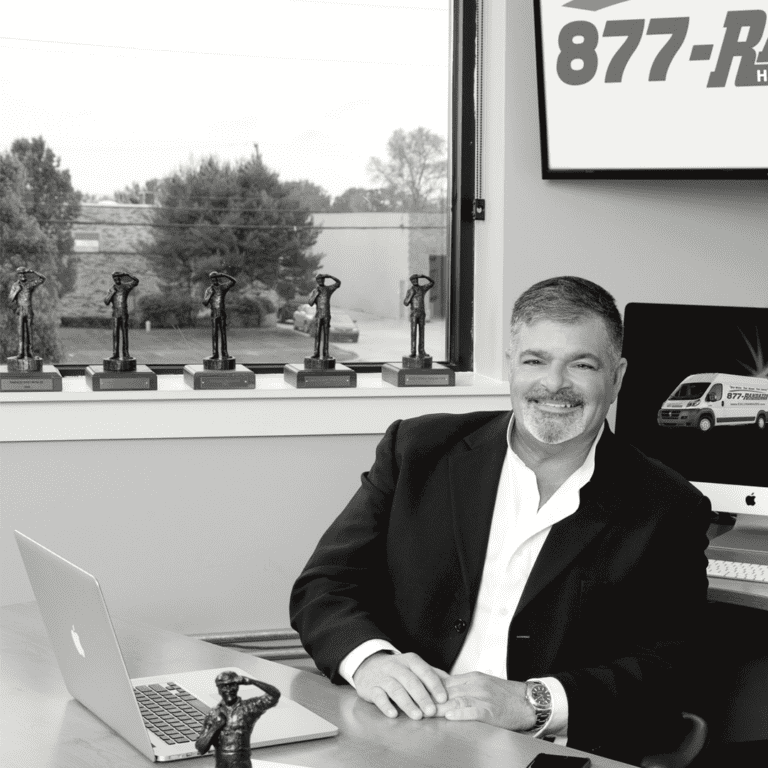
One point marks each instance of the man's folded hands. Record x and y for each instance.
(406, 681)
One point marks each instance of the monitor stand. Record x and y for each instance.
(748, 535)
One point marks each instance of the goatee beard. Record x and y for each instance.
(553, 429)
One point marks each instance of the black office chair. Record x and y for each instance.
(690, 746)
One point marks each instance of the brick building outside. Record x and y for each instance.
(108, 237)
(373, 255)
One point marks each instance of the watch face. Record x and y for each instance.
(540, 696)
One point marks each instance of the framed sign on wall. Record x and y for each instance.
(653, 88)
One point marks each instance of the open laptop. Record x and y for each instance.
(86, 647)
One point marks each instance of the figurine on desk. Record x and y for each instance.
(21, 295)
(229, 724)
(124, 283)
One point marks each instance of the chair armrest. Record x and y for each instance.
(690, 746)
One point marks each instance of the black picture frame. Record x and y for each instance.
(547, 172)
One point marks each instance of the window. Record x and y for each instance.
(271, 141)
(85, 241)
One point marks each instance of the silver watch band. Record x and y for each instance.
(538, 696)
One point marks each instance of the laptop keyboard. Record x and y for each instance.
(171, 713)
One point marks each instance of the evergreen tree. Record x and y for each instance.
(54, 203)
(310, 196)
(236, 217)
(23, 243)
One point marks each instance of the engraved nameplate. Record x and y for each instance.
(46, 380)
(26, 385)
(436, 375)
(327, 381)
(224, 382)
(113, 382)
(340, 377)
(429, 380)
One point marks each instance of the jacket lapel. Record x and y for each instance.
(570, 537)
(474, 470)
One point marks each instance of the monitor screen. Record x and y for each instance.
(695, 396)
(653, 88)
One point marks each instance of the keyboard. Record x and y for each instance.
(171, 713)
(725, 569)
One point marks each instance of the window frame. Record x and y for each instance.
(461, 226)
(275, 408)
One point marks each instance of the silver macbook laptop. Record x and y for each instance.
(86, 647)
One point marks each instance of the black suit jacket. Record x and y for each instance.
(613, 599)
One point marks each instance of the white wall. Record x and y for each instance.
(369, 258)
(691, 242)
(193, 535)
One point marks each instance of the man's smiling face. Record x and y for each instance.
(563, 378)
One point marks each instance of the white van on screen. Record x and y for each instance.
(707, 400)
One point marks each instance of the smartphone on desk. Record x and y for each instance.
(543, 760)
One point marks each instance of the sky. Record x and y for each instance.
(127, 92)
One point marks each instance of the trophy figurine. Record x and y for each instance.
(220, 370)
(228, 726)
(321, 299)
(124, 283)
(417, 369)
(21, 295)
(320, 369)
(214, 297)
(120, 371)
(25, 371)
(416, 299)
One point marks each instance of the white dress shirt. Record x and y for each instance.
(518, 532)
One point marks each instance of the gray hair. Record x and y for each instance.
(567, 300)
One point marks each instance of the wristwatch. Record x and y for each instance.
(538, 696)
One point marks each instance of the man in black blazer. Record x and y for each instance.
(592, 551)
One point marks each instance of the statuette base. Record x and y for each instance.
(303, 378)
(101, 380)
(47, 379)
(119, 364)
(219, 363)
(417, 362)
(25, 364)
(200, 377)
(319, 363)
(401, 376)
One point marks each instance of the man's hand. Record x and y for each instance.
(476, 696)
(404, 679)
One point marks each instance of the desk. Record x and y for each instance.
(42, 726)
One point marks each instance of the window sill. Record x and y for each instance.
(273, 408)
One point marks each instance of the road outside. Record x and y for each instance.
(381, 339)
(384, 339)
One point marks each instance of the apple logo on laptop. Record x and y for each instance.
(750, 500)
(76, 641)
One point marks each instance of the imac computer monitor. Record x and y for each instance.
(695, 396)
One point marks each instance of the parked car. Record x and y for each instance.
(343, 327)
(303, 316)
(285, 313)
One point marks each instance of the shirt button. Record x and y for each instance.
(460, 625)
(503, 612)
